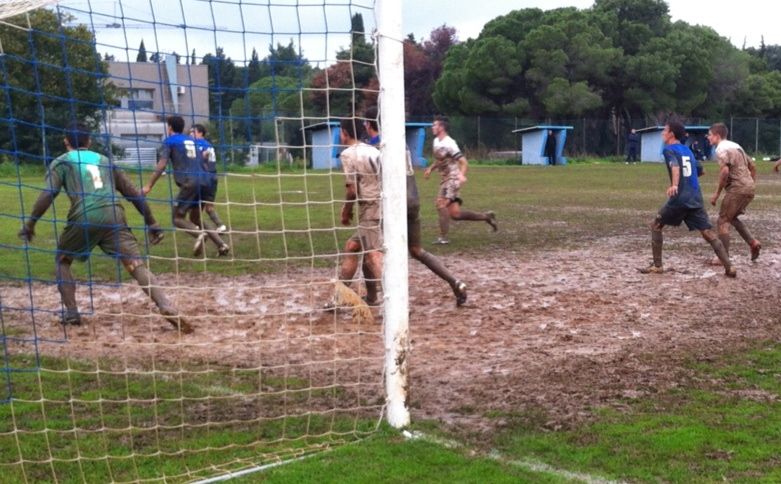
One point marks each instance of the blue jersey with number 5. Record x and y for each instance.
(689, 194)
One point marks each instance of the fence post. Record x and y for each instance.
(756, 136)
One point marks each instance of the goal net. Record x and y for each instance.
(268, 373)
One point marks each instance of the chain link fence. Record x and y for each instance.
(489, 137)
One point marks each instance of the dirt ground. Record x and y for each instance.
(562, 332)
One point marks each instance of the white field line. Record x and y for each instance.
(529, 464)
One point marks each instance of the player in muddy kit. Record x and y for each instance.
(737, 176)
(413, 217)
(193, 180)
(96, 218)
(685, 200)
(363, 185)
(452, 166)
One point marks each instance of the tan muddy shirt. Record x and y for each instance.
(361, 166)
(739, 181)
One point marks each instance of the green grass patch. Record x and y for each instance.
(291, 217)
(728, 430)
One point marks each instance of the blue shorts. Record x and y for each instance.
(694, 218)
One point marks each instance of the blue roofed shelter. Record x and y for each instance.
(652, 144)
(325, 144)
(533, 142)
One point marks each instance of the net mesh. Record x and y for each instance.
(267, 374)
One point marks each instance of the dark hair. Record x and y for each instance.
(200, 128)
(77, 135)
(371, 117)
(677, 129)
(350, 128)
(176, 123)
(720, 130)
(443, 121)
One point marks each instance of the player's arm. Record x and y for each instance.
(675, 178)
(434, 166)
(752, 168)
(159, 169)
(463, 165)
(723, 177)
(350, 195)
(128, 190)
(133, 195)
(42, 204)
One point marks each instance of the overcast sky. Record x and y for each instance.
(242, 25)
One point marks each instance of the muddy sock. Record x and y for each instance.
(721, 253)
(444, 222)
(147, 282)
(436, 267)
(187, 226)
(744, 232)
(469, 215)
(724, 238)
(67, 286)
(656, 246)
(212, 233)
(215, 218)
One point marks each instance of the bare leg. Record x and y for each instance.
(444, 222)
(146, 280)
(720, 250)
(212, 213)
(67, 287)
(374, 265)
(657, 241)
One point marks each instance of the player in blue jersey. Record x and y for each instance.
(684, 202)
(192, 178)
(206, 150)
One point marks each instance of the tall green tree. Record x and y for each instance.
(347, 87)
(529, 62)
(52, 77)
(223, 82)
(141, 57)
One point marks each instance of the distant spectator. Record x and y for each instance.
(550, 147)
(632, 146)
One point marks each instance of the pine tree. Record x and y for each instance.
(141, 57)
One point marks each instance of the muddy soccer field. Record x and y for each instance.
(559, 321)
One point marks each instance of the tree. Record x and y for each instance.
(423, 66)
(53, 76)
(350, 85)
(267, 99)
(253, 68)
(529, 62)
(223, 81)
(193, 59)
(284, 61)
(141, 57)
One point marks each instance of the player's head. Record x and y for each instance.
(675, 130)
(77, 136)
(199, 130)
(717, 132)
(371, 125)
(349, 131)
(175, 124)
(440, 125)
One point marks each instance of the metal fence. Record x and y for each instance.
(479, 136)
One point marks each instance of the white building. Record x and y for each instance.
(149, 92)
